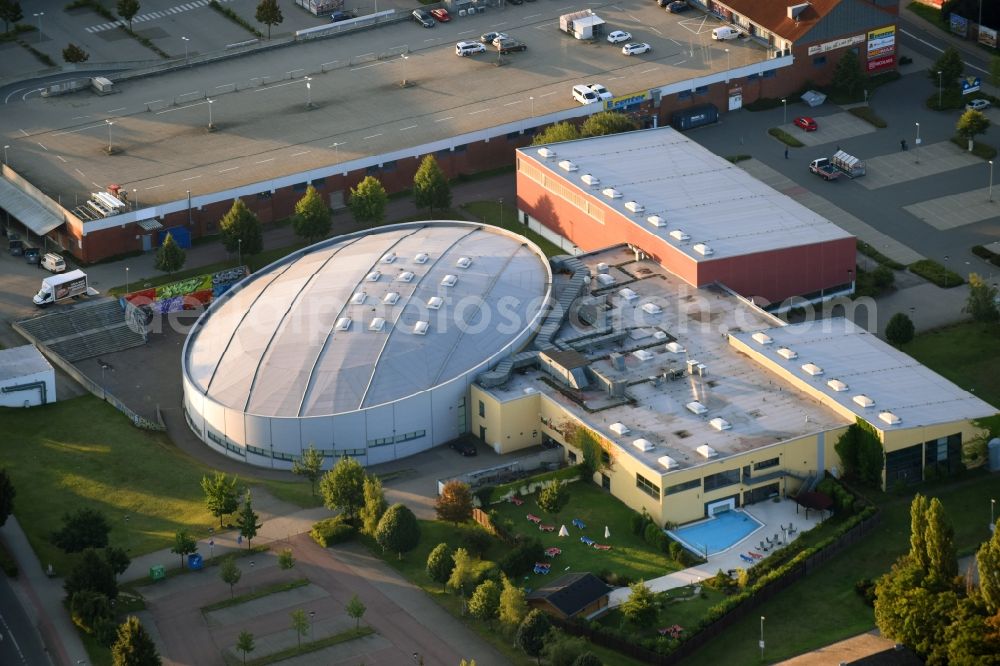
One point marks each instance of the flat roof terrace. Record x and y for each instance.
(265, 129)
(758, 407)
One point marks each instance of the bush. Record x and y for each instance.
(332, 531)
(477, 542)
(614, 578)
(784, 137)
(866, 590)
(869, 251)
(883, 277)
(521, 559)
(934, 272)
(484, 495)
(980, 150)
(986, 254)
(638, 522)
(869, 116)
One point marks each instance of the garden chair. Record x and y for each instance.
(535, 519)
(755, 555)
(602, 546)
(516, 501)
(547, 528)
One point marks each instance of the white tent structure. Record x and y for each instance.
(563, 532)
(607, 532)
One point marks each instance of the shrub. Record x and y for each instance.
(651, 535)
(484, 495)
(883, 277)
(784, 137)
(638, 522)
(934, 272)
(866, 590)
(614, 578)
(332, 531)
(520, 559)
(477, 542)
(869, 116)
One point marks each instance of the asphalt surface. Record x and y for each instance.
(19, 642)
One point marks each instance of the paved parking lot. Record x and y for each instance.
(927, 160)
(831, 129)
(956, 210)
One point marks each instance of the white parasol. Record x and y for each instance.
(563, 532)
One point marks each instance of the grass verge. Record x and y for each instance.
(869, 251)
(966, 353)
(981, 150)
(934, 272)
(505, 217)
(236, 18)
(738, 158)
(869, 116)
(784, 137)
(987, 254)
(267, 590)
(306, 648)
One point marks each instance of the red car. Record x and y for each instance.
(441, 15)
(806, 123)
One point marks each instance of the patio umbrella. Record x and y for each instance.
(607, 532)
(563, 532)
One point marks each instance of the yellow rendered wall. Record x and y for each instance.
(510, 425)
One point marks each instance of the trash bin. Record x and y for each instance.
(157, 572)
(195, 562)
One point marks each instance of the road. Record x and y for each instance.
(19, 642)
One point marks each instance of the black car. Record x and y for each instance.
(339, 16)
(464, 447)
(32, 255)
(15, 244)
(677, 7)
(423, 17)
(508, 45)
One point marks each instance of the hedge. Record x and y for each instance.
(869, 251)
(985, 253)
(529, 485)
(934, 272)
(332, 531)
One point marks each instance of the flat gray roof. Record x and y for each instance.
(302, 337)
(709, 198)
(894, 381)
(21, 362)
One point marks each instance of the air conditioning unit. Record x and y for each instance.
(566, 165)
(635, 207)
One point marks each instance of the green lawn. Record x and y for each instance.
(490, 213)
(629, 555)
(823, 607)
(678, 607)
(967, 354)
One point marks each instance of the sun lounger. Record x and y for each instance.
(535, 519)
(587, 540)
(602, 546)
(516, 501)
(547, 528)
(552, 552)
(579, 523)
(746, 558)
(756, 556)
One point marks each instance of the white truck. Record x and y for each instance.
(58, 287)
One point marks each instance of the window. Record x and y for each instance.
(722, 479)
(647, 486)
(764, 464)
(684, 94)
(681, 487)
(482, 409)
(318, 182)
(406, 437)
(819, 61)
(605, 458)
(701, 90)
(571, 457)
(389, 166)
(444, 152)
(381, 441)
(372, 170)
(770, 74)
(299, 187)
(753, 77)
(461, 149)
(264, 195)
(513, 136)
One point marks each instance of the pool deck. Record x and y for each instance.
(771, 514)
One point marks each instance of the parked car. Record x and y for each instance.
(601, 92)
(516, 2)
(677, 7)
(32, 255)
(469, 48)
(806, 123)
(339, 16)
(491, 37)
(423, 17)
(53, 262)
(584, 95)
(441, 14)
(978, 105)
(465, 447)
(619, 36)
(510, 45)
(14, 244)
(636, 48)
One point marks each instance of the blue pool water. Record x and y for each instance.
(716, 534)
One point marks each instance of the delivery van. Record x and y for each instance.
(725, 32)
(53, 262)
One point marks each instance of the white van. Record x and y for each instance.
(584, 95)
(725, 32)
(53, 262)
(469, 48)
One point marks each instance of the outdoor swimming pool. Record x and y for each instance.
(717, 534)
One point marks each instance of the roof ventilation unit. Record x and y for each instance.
(449, 281)
(605, 280)
(643, 444)
(566, 165)
(628, 295)
(696, 407)
(463, 262)
(619, 428)
(812, 369)
(421, 258)
(861, 400)
(547, 153)
(786, 353)
(389, 258)
(889, 417)
(377, 324)
(611, 193)
(643, 355)
(667, 462)
(635, 207)
(720, 424)
(373, 276)
(359, 298)
(434, 303)
(390, 298)
(656, 221)
(679, 235)
(762, 338)
(590, 181)
(837, 385)
(794, 11)
(405, 276)
(706, 451)
(675, 347)
(703, 248)
(343, 324)
(651, 308)
(420, 328)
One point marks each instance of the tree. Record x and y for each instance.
(285, 559)
(988, 563)
(398, 530)
(950, 66)
(10, 12)
(513, 605)
(91, 572)
(553, 497)
(485, 601)
(300, 623)
(230, 573)
(269, 13)
(430, 187)
(367, 201)
(356, 609)
(462, 572)
(374, 505)
(133, 646)
(640, 609)
(531, 633)
(454, 504)
(240, 230)
(899, 330)
(312, 217)
(170, 257)
(564, 131)
(221, 495)
(85, 528)
(127, 9)
(247, 521)
(847, 76)
(918, 533)
(588, 659)
(440, 564)
(7, 495)
(607, 122)
(117, 559)
(940, 539)
(309, 465)
(244, 643)
(88, 608)
(971, 124)
(860, 452)
(562, 650)
(343, 487)
(982, 302)
(184, 544)
(74, 54)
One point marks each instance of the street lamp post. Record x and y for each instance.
(135, 197)
(211, 550)
(210, 125)
(110, 123)
(309, 101)
(989, 197)
(312, 615)
(501, 211)
(762, 638)
(946, 271)
(239, 253)
(39, 16)
(5, 154)
(186, 40)
(993, 523)
(916, 149)
(403, 58)
(784, 113)
(939, 90)
(729, 65)
(126, 279)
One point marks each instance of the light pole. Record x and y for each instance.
(993, 524)
(784, 116)
(5, 154)
(239, 261)
(186, 40)
(762, 638)
(312, 635)
(939, 90)
(210, 125)
(110, 123)
(126, 280)
(501, 212)
(403, 58)
(916, 150)
(135, 197)
(946, 271)
(989, 197)
(309, 101)
(39, 16)
(729, 64)
(211, 550)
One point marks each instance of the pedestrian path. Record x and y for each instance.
(957, 210)
(150, 16)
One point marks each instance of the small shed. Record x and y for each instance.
(571, 595)
(583, 24)
(26, 378)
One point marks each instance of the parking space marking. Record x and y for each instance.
(513, 103)
(154, 187)
(679, 63)
(269, 159)
(656, 31)
(372, 136)
(532, 16)
(497, 25)
(472, 113)
(676, 43)
(190, 178)
(465, 32)
(82, 174)
(155, 101)
(647, 71)
(42, 146)
(441, 120)
(61, 159)
(149, 16)
(229, 169)
(79, 117)
(547, 94)
(303, 152)
(121, 108)
(403, 129)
